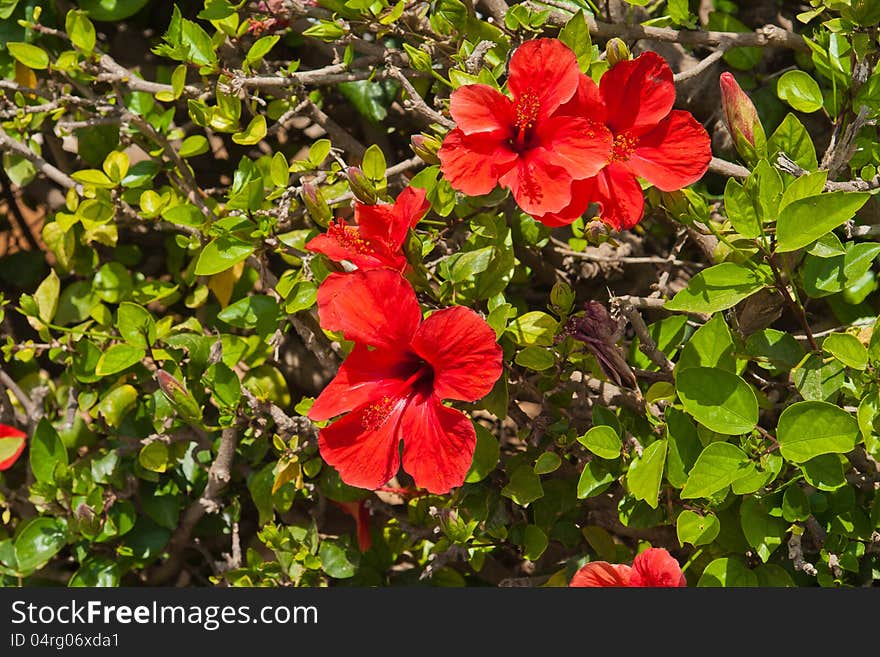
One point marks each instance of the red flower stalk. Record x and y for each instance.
(361, 514)
(391, 385)
(12, 443)
(666, 147)
(522, 142)
(653, 567)
(377, 239)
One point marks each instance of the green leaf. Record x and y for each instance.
(684, 446)
(711, 345)
(536, 358)
(154, 456)
(46, 297)
(764, 532)
(257, 311)
(717, 399)
(118, 358)
(809, 428)
(795, 504)
(718, 466)
(773, 575)
(335, 562)
(37, 541)
(533, 328)
(811, 184)
(224, 385)
(278, 170)
(222, 253)
(824, 472)
(576, 35)
(646, 472)
(116, 403)
(603, 441)
(548, 462)
(807, 219)
(594, 480)
(80, 30)
(728, 572)
(740, 210)
(194, 145)
(524, 487)
(260, 48)
(800, 91)
(136, 325)
(47, 452)
(28, 54)
(486, 455)
(846, 348)
(253, 134)
(93, 177)
(695, 529)
(374, 164)
(96, 571)
(719, 287)
(111, 10)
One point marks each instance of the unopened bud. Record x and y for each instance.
(183, 402)
(740, 115)
(361, 187)
(316, 205)
(616, 51)
(426, 147)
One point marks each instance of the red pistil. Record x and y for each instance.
(526, 110)
(624, 145)
(349, 237)
(376, 414)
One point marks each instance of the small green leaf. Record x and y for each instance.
(374, 164)
(37, 541)
(535, 541)
(847, 349)
(222, 253)
(28, 54)
(335, 562)
(695, 529)
(795, 504)
(154, 456)
(718, 466)
(524, 487)
(800, 91)
(46, 452)
(763, 531)
(486, 455)
(576, 35)
(548, 462)
(810, 428)
(80, 30)
(136, 325)
(117, 358)
(720, 400)
(645, 473)
(116, 403)
(46, 297)
(807, 219)
(603, 441)
(719, 287)
(534, 328)
(536, 358)
(253, 134)
(194, 145)
(727, 572)
(260, 48)
(594, 480)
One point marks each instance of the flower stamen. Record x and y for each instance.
(377, 413)
(623, 147)
(348, 237)
(526, 112)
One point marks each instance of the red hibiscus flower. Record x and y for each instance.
(11, 445)
(391, 385)
(668, 148)
(377, 239)
(653, 567)
(522, 142)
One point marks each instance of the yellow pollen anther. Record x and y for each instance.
(526, 110)
(623, 147)
(348, 237)
(376, 414)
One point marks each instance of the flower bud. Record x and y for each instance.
(616, 51)
(740, 115)
(182, 401)
(316, 205)
(426, 147)
(361, 187)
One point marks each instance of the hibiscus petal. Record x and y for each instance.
(365, 376)
(538, 185)
(7, 431)
(586, 103)
(377, 307)
(479, 108)
(473, 164)
(438, 444)
(337, 251)
(581, 196)
(389, 223)
(674, 154)
(461, 348)
(547, 68)
(638, 93)
(579, 146)
(619, 195)
(363, 446)
(601, 573)
(656, 567)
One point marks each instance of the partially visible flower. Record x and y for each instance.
(666, 147)
(12, 443)
(361, 514)
(653, 567)
(522, 142)
(390, 388)
(740, 115)
(378, 236)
